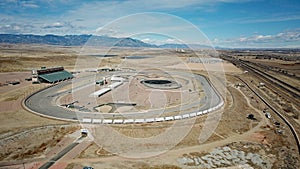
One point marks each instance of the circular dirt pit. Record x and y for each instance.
(158, 82)
(161, 84)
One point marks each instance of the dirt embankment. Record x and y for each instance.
(33, 142)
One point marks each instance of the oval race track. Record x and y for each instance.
(44, 104)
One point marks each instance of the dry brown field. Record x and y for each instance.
(34, 137)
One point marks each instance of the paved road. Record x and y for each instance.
(59, 155)
(44, 102)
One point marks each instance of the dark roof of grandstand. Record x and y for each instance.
(56, 76)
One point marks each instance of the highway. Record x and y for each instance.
(283, 87)
(293, 130)
(44, 102)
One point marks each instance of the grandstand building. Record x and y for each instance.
(50, 75)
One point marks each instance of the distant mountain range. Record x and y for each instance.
(72, 40)
(80, 40)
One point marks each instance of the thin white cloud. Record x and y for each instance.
(160, 41)
(161, 26)
(29, 5)
(85, 18)
(286, 38)
(88, 16)
(273, 19)
(95, 14)
(54, 25)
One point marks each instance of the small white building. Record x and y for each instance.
(116, 79)
(261, 84)
(84, 132)
(268, 115)
(100, 92)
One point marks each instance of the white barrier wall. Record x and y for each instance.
(199, 113)
(193, 114)
(177, 117)
(169, 118)
(139, 120)
(97, 121)
(107, 121)
(86, 120)
(185, 116)
(118, 121)
(150, 120)
(159, 119)
(128, 121)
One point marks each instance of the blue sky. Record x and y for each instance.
(226, 23)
